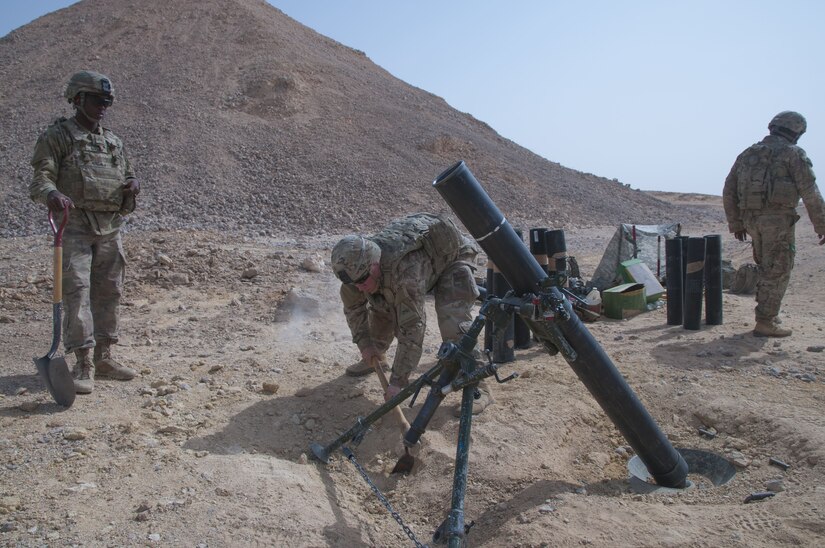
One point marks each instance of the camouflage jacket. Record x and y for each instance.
(770, 177)
(415, 251)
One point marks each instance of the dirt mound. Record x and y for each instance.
(238, 117)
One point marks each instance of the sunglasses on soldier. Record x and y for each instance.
(101, 100)
(344, 277)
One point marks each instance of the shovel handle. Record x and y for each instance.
(382, 377)
(57, 231)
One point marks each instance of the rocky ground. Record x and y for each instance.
(241, 345)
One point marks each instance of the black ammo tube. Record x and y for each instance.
(673, 272)
(556, 251)
(694, 283)
(713, 279)
(482, 218)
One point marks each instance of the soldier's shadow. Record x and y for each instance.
(11, 384)
(285, 426)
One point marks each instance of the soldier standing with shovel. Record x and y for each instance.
(81, 168)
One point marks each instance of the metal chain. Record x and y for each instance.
(395, 515)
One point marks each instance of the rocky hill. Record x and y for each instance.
(239, 118)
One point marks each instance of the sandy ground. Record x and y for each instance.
(241, 351)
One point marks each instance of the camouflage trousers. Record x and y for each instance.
(774, 249)
(93, 273)
(454, 290)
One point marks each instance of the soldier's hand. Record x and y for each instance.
(391, 392)
(741, 235)
(57, 201)
(370, 352)
(132, 186)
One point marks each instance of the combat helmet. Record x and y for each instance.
(87, 81)
(789, 121)
(352, 258)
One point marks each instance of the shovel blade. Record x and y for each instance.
(57, 378)
(405, 464)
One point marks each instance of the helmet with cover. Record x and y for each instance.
(352, 258)
(789, 123)
(87, 81)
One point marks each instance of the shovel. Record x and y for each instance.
(406, 462)
(53, 370)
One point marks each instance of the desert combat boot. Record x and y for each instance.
(83, 372)
(767, 328)
(107, 366)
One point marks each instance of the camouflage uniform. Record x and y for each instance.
(760, 197)
(418, 254)
(91, 168)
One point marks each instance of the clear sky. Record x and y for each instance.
(660, 94)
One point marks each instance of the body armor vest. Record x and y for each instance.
(439, 238)
(764, 181)
(92, 174)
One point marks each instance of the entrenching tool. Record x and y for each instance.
(406, 462)
(53, 370)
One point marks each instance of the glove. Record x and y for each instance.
(391, 392)
(370, 352)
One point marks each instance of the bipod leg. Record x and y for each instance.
(452, 531)
(357, 431)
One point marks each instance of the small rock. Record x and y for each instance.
(172, 429)
(154, 537)
(249, 273)
(815, 348)
(143, 506)
(215, 368)
(303, 392)
(303, 459)
(546, 508)
(270, 387)
(738, 459)
(20, 391)
(221, 492)
(28, 406)
(775, 486)
(75, 434)
(6, 319)
(9, 504)
(142, 516)
(312, 264)
(165, 260)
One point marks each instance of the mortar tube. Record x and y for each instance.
(713, 279)
(471, 204)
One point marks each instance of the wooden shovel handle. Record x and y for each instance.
(382, 377)
(57, 231)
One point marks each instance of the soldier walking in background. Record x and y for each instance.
(385, 278)
(80, 165)
(760, 197)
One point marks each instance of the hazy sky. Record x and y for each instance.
(659, 94)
